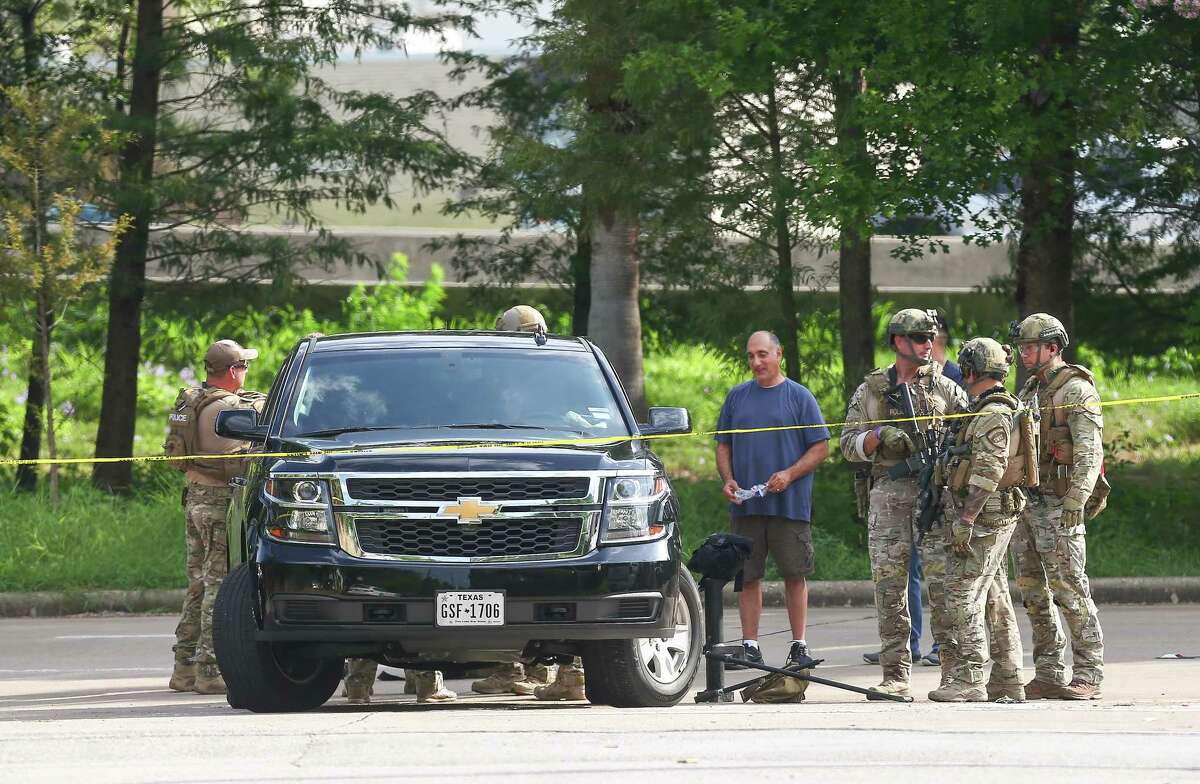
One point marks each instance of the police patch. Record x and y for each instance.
(997, 437)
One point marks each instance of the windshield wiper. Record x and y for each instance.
(493, 426)
(337, 431)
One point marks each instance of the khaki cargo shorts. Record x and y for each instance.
(788, 541)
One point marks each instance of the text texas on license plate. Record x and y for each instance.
(469, 608)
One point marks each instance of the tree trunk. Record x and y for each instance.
(854, 247)
(35, 395)
(1045, 251)
(31, 432)
(43, 322)
(1046, 248)
(614, 319)
(581, 268)
(854, 302)
(127, 289)
(785, 284)
(581, 278)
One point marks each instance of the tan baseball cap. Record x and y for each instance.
(226, 353)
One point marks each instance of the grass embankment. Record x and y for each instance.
(92, 540)
(1151, 527)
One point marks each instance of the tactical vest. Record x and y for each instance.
(880, 381)
(1021, 470)
(183, 428)
(1056, 455)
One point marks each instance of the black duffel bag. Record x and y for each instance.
(720, 557)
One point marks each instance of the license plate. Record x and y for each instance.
(469, 608)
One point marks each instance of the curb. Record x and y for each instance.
(55, 603)
(1105, 590)
(823, 593)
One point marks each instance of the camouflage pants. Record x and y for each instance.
(976, 596)
(1007, 652)
(360, 673)
(890, 532)
(1051, 563)
(207, 563)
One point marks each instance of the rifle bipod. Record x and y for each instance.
(717, 658)
(715, 695)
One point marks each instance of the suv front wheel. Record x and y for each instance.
(649, 673)
(264, 677)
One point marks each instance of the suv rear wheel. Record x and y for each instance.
(649, 673)
(264, 677)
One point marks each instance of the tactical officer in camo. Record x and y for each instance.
(1048, 545)
(982, 503)
(878, 434)
(191, 430)
(514, 678)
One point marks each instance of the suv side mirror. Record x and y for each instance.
(241, 424)
(667, 420)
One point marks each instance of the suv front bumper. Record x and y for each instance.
(323, 595)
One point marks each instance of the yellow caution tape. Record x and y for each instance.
(596, 440)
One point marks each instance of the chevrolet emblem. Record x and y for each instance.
(467, 511)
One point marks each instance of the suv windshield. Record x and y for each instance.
(554, 393)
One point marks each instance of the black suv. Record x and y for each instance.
(458, 498)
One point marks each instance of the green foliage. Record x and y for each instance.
(389, 306)
(92, 540)
(95, 541)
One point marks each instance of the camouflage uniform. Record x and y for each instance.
(205, 507)
(192, 428)
(360, 680)
(892, 507)
(981, 487)
(1051, 557)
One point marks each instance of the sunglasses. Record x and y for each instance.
(920, 339)
(240, 365)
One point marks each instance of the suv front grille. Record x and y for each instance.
(442, 489)
(437, 538)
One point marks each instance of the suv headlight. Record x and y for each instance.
(631, 508)
(300, 509)
(298, 491)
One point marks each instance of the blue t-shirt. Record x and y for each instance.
(952, 371)
(758, 455)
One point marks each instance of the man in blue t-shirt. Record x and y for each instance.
(778, 516)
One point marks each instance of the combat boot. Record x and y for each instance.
(357, 694)
(1005, 692)
(501, 680)
(1038, 689)
(183, 677)
(430, 688)
(535, 677)
(569, 685)
(958, 691)
(410, 681)
(208, 680)
(893, 684)
(1079, 689)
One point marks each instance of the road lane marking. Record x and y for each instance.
(34, 671)
(114, 636)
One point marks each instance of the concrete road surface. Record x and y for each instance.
(84, 699)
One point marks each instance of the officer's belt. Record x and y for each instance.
(1002, 502)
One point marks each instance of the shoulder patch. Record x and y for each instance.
(997, 437)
